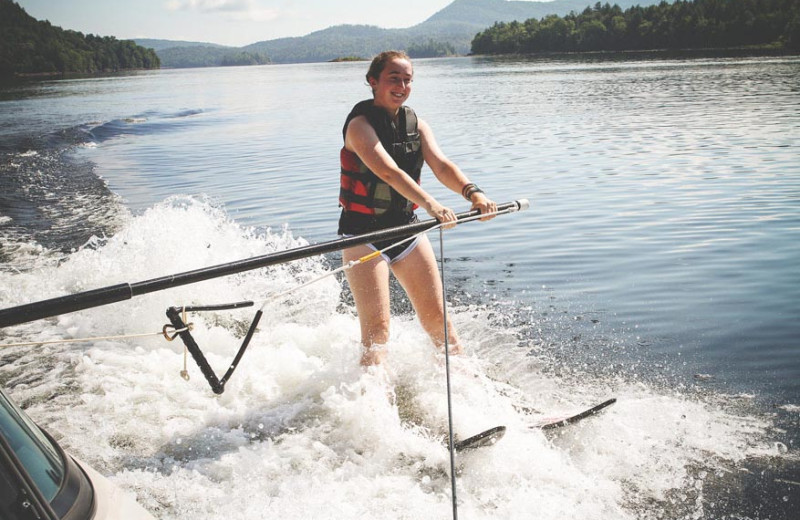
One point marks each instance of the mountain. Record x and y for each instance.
(457, 24)
(461, 20)
(483, 13)
(177, 54)
(449, 31)
(204, 56)
(159, 45)
(333, 42)
(474, 16)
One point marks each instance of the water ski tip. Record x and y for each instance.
(565, 420)
(485, 438)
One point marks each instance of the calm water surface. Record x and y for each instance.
(663, 239)
(665, 193)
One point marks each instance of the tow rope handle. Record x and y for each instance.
(217, 384)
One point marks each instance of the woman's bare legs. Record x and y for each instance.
(369, 283)
(418, 273)
(419, 276)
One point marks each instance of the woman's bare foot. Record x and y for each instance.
(373, 355)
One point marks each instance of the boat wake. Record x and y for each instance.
(303, 432)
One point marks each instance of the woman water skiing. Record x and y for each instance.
(385, 145)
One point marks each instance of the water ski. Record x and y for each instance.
(551, 423)
(492, 435)
(485, 438)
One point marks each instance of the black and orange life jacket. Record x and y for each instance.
(362, 191)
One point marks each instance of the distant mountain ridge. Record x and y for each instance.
(456, 25)
(485, 12)
(158, 45)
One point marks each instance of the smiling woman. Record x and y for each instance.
(385, 146)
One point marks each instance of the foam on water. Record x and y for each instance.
(303, 432)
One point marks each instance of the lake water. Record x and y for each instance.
(658, 263)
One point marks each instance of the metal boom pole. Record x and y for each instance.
(125, 291)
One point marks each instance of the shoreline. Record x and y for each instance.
(688, 52)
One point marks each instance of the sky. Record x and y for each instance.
(226, 22)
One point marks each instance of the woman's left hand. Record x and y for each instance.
(484, 204)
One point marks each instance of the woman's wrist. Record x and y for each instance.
(478, 197)
(469, 190)
(428, 204)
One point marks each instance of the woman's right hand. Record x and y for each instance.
(443, 214)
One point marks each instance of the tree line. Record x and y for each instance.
(29, 46)
(431, 49)
(679, 25)
(200, 56)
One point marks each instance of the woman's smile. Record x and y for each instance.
(393, 86)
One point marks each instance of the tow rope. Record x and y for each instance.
(450, 439)
(168, 332)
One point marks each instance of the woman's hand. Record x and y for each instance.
(443, 214)
(483, 204)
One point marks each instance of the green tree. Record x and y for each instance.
(431, 49)
(29, 46)
(592, 35)
(678, 25)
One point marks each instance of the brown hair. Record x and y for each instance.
(379, 63)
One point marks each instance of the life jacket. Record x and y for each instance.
(362, 191)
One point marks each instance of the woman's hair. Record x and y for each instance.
(379, 62)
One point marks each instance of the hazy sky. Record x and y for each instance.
(227, 22)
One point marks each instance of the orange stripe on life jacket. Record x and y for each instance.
(354, 193)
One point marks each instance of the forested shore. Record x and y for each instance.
(200, 56)
(698, 24)
(31, 47)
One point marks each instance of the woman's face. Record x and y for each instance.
(393, 86)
